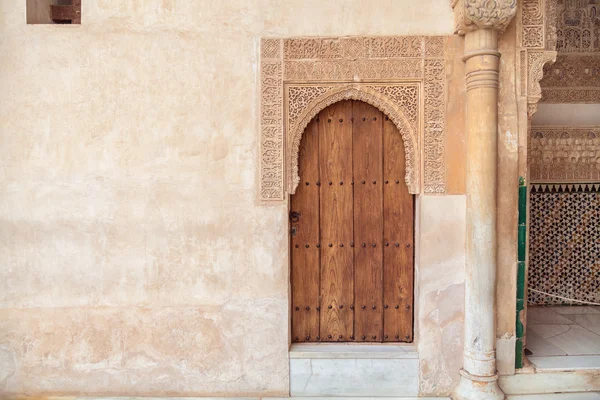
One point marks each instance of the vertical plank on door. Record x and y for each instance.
(398, 216)
(368, 221)
(305, 236)
(335, 166)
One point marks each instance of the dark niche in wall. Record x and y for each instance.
(54, 11)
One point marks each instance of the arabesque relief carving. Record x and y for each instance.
(575, 76)
(578, 27)
(538, 42)
(403, 76)
(538, 24)
(399, 102)
(536, 60)
(564, 154)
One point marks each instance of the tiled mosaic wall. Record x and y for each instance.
(564, 243)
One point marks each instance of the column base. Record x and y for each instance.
(473, 387)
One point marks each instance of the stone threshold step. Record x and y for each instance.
(549, 383)
(565, 363)
(214, 398)
(352, 351)
(557, 396)
(355, 398)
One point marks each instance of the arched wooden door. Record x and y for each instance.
(352, 230)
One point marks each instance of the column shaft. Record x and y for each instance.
(479, 378)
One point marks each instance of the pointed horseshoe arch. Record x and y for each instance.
(395, 101)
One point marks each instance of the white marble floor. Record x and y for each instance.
(563, 337)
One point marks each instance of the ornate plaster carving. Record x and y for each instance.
(569, 95)
(564, 154)
(538, 24)
(435, 125)
(578, 27)
(474, 14)
(538, 41)
(403, 76)
(573, 78)
(271, 121)
(396, 101)
(536, 61)
(550, 23)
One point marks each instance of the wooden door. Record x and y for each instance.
(352, 228)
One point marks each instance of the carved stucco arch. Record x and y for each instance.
(403, 76)
(360, 92)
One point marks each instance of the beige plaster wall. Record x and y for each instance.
(134, 256)
(456, 137)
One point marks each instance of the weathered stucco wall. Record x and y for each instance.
(134, 256)
(441, 262)
(509, 151)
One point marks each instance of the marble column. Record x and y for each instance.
(481, 22)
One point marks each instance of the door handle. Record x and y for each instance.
(294, 216)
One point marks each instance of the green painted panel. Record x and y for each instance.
(521, 242)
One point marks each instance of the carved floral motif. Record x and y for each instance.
(533, 36)
(474, 14)
(299, 98)
(406, 97)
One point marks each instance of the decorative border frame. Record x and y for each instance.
(538, 42)
(565, 154)
(403, 76)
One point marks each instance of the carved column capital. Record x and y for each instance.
(470, 15)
